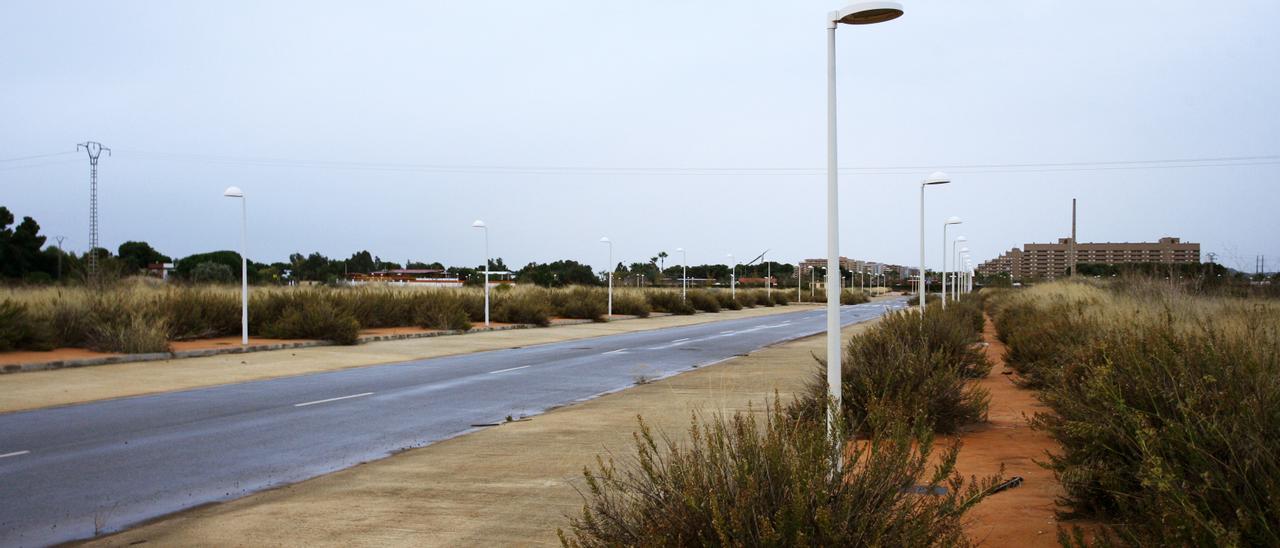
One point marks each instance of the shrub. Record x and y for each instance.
(911, 367)
(704, 300)
(741, 483)
(20, 331)
(441, 312)
(668, 301)
(726, 300)
(630, 303)
(126, 322)
(529, 305)
(193, 313)
(781, 298)
(580, 302)
(1168, 410)
(314, 318)
(853, 296)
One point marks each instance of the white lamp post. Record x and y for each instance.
(859, 13)
(684, 272)
(950, 221)
(937, 178)
(733, 277)
(480, 225)
(955, 264)
(235, 192)
(960, 257)
(609, 272)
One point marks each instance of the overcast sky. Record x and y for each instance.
(391, 126)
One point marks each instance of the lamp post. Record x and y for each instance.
(733, 277)
(955, 263)
(950, 221)
(859, 13)
(937, 178)
(609, 271)
(235, 192)
(684, 272)
(480, 225)
(960, 256)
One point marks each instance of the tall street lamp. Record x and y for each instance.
(235, 192)
(684, 272)
(859, 13)
(950, 221)
(480, 225)
(961, 256)
(955, 263)
(733, 277)
(609, 271)
(937, 178)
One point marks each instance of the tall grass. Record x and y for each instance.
(1166, 405)
(738, 482)
(143, 316)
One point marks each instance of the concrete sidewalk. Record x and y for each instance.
(506, 485)
(38, 389)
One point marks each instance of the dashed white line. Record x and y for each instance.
(14, 454)
(727, 332)
(618, 351)
(507, 369)
(680, 340)
(333, 399)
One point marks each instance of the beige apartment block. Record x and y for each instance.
(1049, 261)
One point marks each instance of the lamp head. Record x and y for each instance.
(478, 224)
(867, 13)
(962, 239)
(603, 239)
(233, 192)
(954, 221)
(679, 250)
(936, 178)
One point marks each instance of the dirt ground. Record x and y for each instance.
(507, 485)
(1023, 516)
(34, 390)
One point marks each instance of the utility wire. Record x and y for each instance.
(37, 156)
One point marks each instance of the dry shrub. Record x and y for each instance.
(704, 300)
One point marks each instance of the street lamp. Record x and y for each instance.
(859, 13)
(733, 277)
(480, 225)
(950, 221)
(609, 271)
(684, 272)
(955, 263)
(937, 178)
(963, 256)
(235, 192)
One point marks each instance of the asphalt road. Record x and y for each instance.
(73, 472)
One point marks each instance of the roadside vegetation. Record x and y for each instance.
(1165, 402)
(754, 479)
(746, 481)
(141, 315)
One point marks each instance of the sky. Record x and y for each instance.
(391, 126)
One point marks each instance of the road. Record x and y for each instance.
(73, 472)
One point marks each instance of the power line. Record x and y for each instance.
(1042, 167)
(37, 156)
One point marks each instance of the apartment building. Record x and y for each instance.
(1049, 261)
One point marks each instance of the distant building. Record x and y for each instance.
(1049, 261)
(815, 269)
(407, 277)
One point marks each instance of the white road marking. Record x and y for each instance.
(727, 332)
(618, 351)
(14, 454)
(507, 369)
(680, 340)
(333, 399)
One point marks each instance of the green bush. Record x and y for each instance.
(781, 298)
(726, 300)
(631, 303)
(704, 300)
(20, 331)
(524, 306)
(314, 318)
(741, 483)
(580, 302)
(194, 313)
(911, 367)
(442, 313)
(853, 296)
(662, 300)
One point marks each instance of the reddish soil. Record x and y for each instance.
(1023, 516)
(57, 354)
(223, 342)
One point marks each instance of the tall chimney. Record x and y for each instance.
(1072, 251)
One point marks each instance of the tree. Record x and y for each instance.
(211, 272)
(20, 247)
(137, 255)
(558, 274)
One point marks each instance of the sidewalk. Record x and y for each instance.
(38, 389)
(506, 485)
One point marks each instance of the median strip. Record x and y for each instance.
(333, 399)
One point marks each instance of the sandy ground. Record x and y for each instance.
(1023, 516)
(34, 390)
(508, 485)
